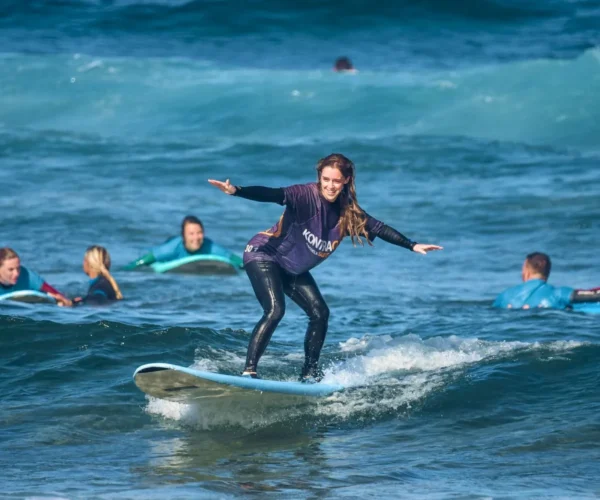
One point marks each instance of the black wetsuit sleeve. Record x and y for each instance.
(583, 296)
(260, 193)
(389, 234)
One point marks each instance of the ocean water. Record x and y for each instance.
(474, 125)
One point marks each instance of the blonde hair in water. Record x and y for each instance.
(98, 259)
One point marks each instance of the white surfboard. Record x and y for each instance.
(186, 385)
(29, 296)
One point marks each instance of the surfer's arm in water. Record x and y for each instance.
(171, 249)
(209, 247)
(583, 296)
(254, 193)
(389, 234)
(145, 260)
(53, 292)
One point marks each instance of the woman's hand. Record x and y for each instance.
(61, 301)
(226, 186)
(423, 248)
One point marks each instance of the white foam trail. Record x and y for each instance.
(410, 353)
(90, 66)
(224, 412)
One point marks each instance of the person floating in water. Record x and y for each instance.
(191, 242)
(14, 277)
(102, 287)
(536, 292)
(343, 65)
(316, 218)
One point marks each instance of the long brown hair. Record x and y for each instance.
(98, 259)
(6, 254)
(353, 219)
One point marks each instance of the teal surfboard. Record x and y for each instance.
(29, 296)
(589, 308)
(197, 264)
(186, 385)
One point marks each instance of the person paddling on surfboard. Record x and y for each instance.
(317, 217)
(191, 242)
(14, 277)
(103, 288)
(535, 292)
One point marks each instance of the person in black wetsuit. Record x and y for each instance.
(316, 218)
(343, 65)
(102, 288)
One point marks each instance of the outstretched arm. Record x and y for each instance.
(583, 296)
(254, 193)
(53, 292)
(389, 234)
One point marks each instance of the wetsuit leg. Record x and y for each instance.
(303, 290)
(267, 281)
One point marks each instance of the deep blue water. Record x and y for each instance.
(475, 125)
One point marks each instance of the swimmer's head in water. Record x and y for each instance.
(335, 175)
(96, 261)
(537, 265)
(343, 64)
(192, 232)
(10, 267)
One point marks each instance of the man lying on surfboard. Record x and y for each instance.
(317, 217)
(14, 277)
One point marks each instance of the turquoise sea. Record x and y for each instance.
(474, 125)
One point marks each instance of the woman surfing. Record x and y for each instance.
(317, 217)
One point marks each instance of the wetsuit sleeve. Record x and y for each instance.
(170, 250)
(34, 280)
(46, 288)
(302, 199)
(500, 301)
(260, 193)
(389, 234)
(585, 296)
(377, 228)
(146, 260)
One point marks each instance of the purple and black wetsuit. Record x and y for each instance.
(278, 262)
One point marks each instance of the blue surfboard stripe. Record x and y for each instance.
(262, 385)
